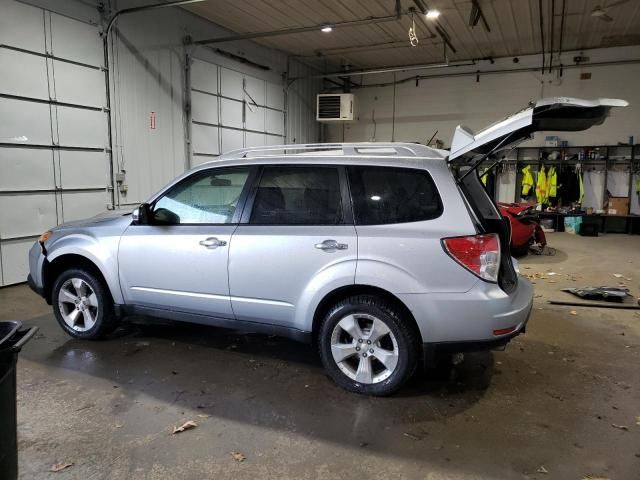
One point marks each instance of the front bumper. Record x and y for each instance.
(36, 269)
(34, 287)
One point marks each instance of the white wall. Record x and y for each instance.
(149, 74)
(442, 103)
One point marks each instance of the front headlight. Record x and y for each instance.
(44, 237)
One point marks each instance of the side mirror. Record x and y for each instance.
(141, 215)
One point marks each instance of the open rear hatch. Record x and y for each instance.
(470, 151)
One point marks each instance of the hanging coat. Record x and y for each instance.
(552, 183)
(569, 186)
(527, 181)
(579, 174)
(541, 186)
(484, 175)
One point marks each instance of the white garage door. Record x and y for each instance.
(54, 166)
(231, 109)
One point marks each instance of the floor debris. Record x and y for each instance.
(238, 457)
(58, 467)
(542, 469)
(573, 312)
(620, 427)
(412, 436)
(185, 426)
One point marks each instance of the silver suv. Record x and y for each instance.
(379, 254)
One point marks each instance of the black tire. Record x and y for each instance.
(406, 336)
(105, 318)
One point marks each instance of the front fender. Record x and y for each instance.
(103, 254)
(335, 276)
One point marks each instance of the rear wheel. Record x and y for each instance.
(83, 305)
(366, 346)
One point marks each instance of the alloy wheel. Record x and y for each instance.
(364, 348)
(78, 304)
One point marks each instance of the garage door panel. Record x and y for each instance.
(15, 253)
(26, 214)
(30, 122)
(274, 140)
(205, 139)
(230, 113)
(204, 108)
(255, 118)
(81, 205)
(275, 122)
(231, 139)
(24, 169)
(81, 128)
(83, 169)
(79, 85)
(255, 88)
(21, 26)
(275, 96)
(204, 76)
(29, 80)
(255, 139)
(74, 40)
(231, 84)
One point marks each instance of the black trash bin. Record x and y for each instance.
(12, 339)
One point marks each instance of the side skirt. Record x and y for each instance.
(232, 324)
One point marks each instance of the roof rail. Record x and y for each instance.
(347, 149)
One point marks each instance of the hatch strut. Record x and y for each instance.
(485, 156)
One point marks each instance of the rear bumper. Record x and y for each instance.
(470, 320)
(430, 349)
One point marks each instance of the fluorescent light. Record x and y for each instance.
(433, 14)
(376, 198)
(326, 29)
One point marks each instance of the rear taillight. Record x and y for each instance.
(480, 254)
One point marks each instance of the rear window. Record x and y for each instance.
(384, 195)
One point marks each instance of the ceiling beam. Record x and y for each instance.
(476, 15)
(296, 30)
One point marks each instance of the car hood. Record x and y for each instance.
(560, 114)
(108, 217)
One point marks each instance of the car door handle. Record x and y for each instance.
(212, 242)
(331, 245)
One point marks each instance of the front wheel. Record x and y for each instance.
(82, 304)
(367, 347)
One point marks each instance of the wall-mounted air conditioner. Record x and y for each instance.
(335, 107)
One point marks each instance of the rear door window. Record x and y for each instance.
(298, 196)
(385, 195)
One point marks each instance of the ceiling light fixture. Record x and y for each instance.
(326, 29)
(432, 14)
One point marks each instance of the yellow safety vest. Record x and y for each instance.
(483, 176)
(541, 186)
(527, 181)
(581, 199)
(552, 183)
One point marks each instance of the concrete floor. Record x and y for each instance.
(546, 403)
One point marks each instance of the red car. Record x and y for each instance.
(525, 227)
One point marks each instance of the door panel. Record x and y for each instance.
(166, 267)
(298, 239)
(179, 260)
(272, 267)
